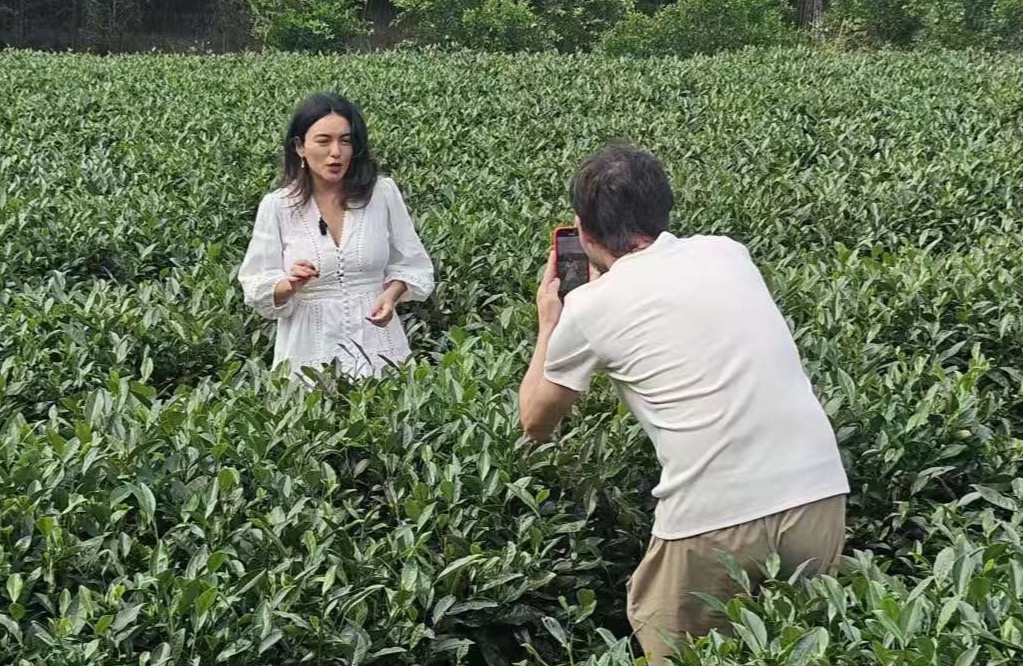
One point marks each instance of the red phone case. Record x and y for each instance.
(554, 236)
(554, 242)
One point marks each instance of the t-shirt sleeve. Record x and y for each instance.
(571, 360)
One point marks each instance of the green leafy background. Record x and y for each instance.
(165, 499)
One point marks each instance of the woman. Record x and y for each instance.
(333, 249)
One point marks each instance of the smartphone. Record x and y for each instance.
(573, 264)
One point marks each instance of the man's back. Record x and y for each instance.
(698, 350)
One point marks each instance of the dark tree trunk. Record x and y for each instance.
(809, 12)
(809, 15)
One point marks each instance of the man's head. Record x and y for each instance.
(622, 199)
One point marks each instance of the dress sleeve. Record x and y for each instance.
(408, 261)
(263, 265)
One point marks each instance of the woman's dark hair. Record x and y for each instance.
(362, 172)
(622, 194)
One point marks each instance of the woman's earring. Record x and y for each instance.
(303, 163)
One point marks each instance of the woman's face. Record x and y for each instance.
(327, 148)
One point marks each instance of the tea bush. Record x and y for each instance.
(578, 25)
(691, 27)
(511, 25)
(503, 25)
(165, 498)
(955, 24)
(307, 25)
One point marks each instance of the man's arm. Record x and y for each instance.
(542, 403)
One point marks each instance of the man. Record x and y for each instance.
(697, 349)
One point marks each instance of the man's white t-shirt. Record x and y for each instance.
(692, 340)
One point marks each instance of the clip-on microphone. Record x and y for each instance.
(323, 227)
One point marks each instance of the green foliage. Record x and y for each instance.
(1006, 26)
(307, 25)
(166, 499)
(105, 22)
(691, 27)
(434, 21)
(969, 24)
(950, 23)
(959, 606)
(503, 25)
(511, 25)
(578, 25)
(943, 24)
(638, 34)
(232, 23)
(871, 22)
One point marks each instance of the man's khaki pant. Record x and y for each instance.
(662, 609)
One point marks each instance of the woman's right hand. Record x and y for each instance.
(301, 272)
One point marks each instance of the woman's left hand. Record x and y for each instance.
(383, 310)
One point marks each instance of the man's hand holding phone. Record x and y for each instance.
(548, 302)
(571, 263)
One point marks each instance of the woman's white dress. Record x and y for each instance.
(326, 318)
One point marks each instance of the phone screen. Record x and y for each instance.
(573, 264)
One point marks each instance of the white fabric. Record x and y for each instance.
(326, 318)
(697, 349)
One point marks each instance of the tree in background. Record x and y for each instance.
(108, 22)
(124, 25)
(308, 25)
(578, 25)
(638, 27)
(231, 21)
(510, 25)
(503, 25)
(809, 12)
(691, 27)
(96, 25)
(954, 24)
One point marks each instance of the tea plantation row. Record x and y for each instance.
(165, 499)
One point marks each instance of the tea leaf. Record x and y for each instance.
(555, 629)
